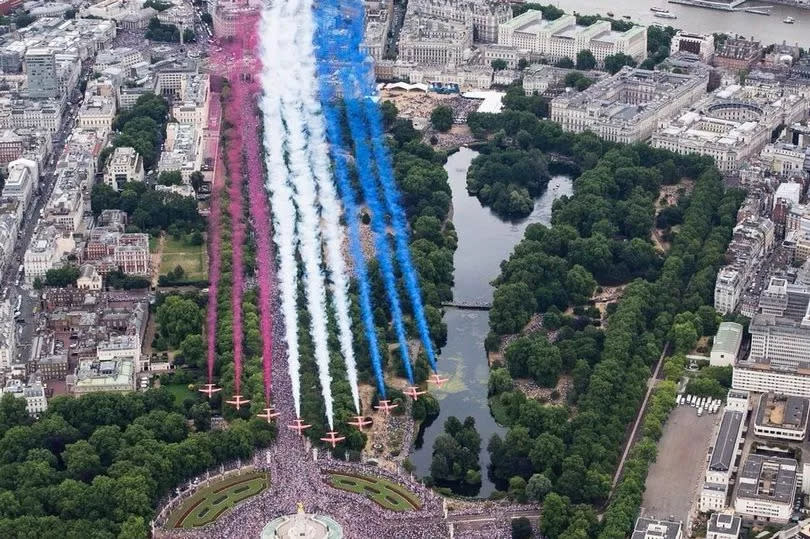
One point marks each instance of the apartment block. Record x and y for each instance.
(564, 38)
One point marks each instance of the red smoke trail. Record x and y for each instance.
(248, 92)
(214, 240)
(244, 157)
(235, 171)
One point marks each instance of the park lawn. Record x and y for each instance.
(180, 392)
(193, 259)
(384, 493)
(209, 503)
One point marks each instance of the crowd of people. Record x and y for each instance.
(297, 476)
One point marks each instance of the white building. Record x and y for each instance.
(8, 336)
(783, 159)
(727, 290)
(563, 38)
(97, 112)
(34, 395)
(23, 178)
(629, 106)
(725, 525)
(782, 417)
(124, 165)
(765, 488)
(701, 45)
(484, 15)
(649, 528)
(92, 376)
(89, 278)
(721, 466)
(726, 344)
(128, 346)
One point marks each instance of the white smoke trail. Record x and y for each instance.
(331, 209)
(290, 84)
(283, 211)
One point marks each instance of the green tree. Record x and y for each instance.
(537, 487)
(170, 178)
(498, 64)
(512, 306)
(62, 277)
(585, 60)
(521, 528)
(81, 460)
(499, 381)
(442, 118)
(555, 515)
(178, 317)
(389, 113)
(193, 350)
(615, 62)
(565, 62)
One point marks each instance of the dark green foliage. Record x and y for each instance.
(118, 279)
(170, 178)
(565, 62)
(585, 60)
(178, 317)
(521, 528)
(615, 62)
(577, 80)
(148, 210)
(508, 181)
(96, 466)
(157, 31)
(142, 127)
(442, 118)
(517, 100)
(455, 453)
(659, 42)
(62, 277)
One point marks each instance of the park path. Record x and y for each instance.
(631, 439)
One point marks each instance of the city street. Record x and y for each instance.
(16, 287)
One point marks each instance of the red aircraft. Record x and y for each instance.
(299, 426)
(209, 389)
(438, 380)
(238, 401)
(269, 414)
(360, 422)
(333, 438)
(414, 392)
(386, 406)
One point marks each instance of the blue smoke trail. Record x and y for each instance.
(389, 187)
(323, 46)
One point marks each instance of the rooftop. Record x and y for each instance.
(768, 478)
(782, 411)
(725, 445)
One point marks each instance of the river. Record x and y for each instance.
(483, 241)
(768, 29)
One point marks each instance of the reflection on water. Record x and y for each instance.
(483, 242)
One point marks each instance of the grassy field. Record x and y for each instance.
(207, 504)
(193, 258)
(180, 392)
(381, 491)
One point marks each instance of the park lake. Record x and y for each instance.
(484, 240)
